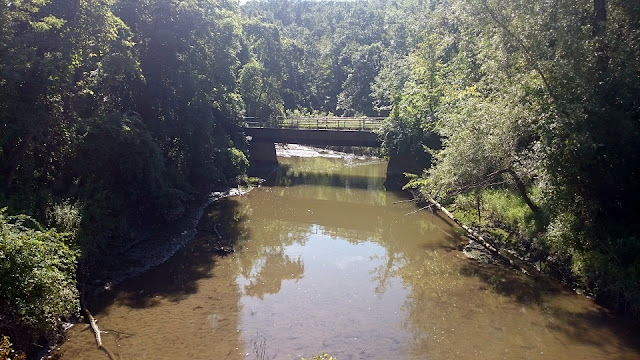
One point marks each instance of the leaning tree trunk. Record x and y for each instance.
(523, 191)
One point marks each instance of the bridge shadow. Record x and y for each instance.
(286, 177)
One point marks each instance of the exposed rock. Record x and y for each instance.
(476, 251)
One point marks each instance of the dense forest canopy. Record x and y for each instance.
(115, 114)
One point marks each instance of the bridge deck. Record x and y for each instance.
(321, 137)
(318, 123)
(318, 131)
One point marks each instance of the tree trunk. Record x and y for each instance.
(17, 159)
(599, 16)
(599, 19)
(523, 191)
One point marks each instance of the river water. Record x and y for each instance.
(327, 261)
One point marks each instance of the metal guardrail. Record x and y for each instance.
(318, 123)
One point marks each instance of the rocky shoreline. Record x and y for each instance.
(150, 252)
(156, 248)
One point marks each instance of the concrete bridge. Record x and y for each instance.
(323, 131)
(317, 131)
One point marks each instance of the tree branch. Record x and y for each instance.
(527, 53)
(97, 332)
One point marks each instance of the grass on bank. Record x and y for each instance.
(559, 244)
(499, 210)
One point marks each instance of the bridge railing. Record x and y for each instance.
(318, 123)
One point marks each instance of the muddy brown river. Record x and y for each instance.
(327, 261)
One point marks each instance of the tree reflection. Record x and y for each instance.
(271, 271)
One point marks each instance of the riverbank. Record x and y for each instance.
(503, 231)
(161, 243)
(155, 248)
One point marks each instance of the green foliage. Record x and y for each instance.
(239, 160)
(65, 217)
(609, 269)
(259, 91)
(107, 122)
(322, 56)
(527, 95)
(37, 273)
(510, 210)
(123, 108)
(361, 65)
(500, 207)
(389, 83)
(407, 135)
(322, 356)
(7, 353)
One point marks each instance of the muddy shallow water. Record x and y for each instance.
(326, 260)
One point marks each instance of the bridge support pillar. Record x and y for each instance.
(263, 152)
(404, 163)
(410, 162)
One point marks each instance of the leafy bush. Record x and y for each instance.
(65, 217)
(37, 274)
(608, 269)
(8, 353)
(239, 162)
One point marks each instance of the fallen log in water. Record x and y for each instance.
(97, 332)
(474, 235)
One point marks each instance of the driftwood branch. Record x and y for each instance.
(403, 201)
(428, 207)
(215, 227)
(98, 334)
(472, 234)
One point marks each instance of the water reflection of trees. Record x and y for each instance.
(346, 202)
(270, 271)
(446, 303)
(263, 262)
(328, 173)
(225, 222)
(287, 214)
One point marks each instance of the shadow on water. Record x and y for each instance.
(506, 282)
(286, 176)
(183, 308)
(575, 317)
(223, 224)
